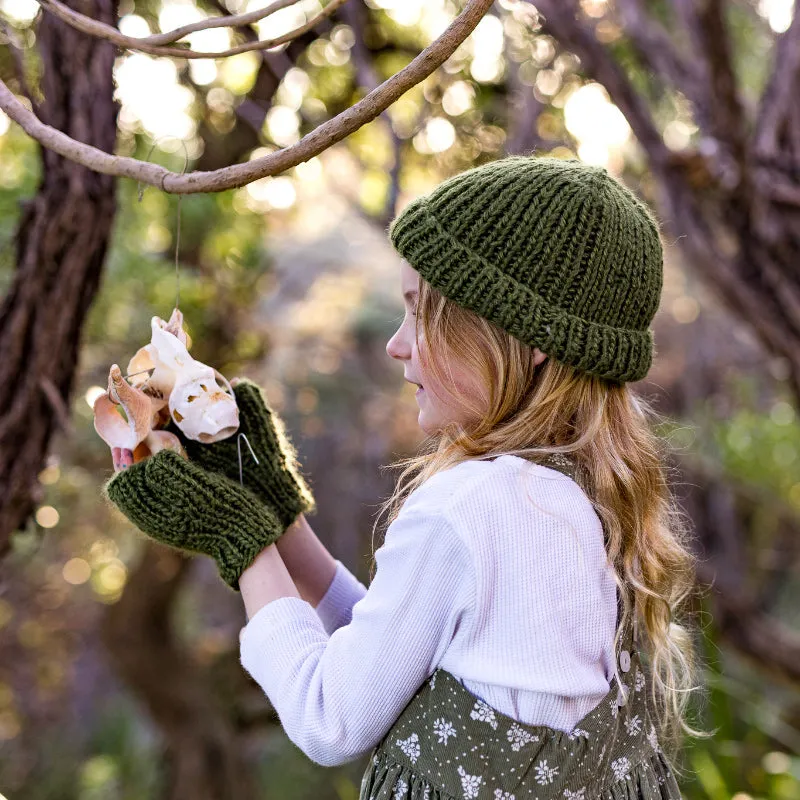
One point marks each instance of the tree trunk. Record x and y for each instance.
(204, 760)
(61, 245)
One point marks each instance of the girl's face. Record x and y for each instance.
(437, 402)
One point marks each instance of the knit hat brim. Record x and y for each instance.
(618, 354)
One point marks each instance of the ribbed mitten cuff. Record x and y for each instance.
(182, 505)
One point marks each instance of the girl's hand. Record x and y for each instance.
(182, 505)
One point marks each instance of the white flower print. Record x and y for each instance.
(501, 795)
(443, 729)
(578, 794)
(620, 767)
(410, 747)
(614, 709)
(400, 789)
(519, 737)
(427, 793)
(545, 774)
(469, 783)
(433, 679)
(639, 685)
(653, 739)
(633, 725)
(484, 713)
(574, 734)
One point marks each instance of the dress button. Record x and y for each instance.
(622, 696)
(624, 660)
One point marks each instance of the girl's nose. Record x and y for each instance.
(395, 348)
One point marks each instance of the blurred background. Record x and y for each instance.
(119, 671)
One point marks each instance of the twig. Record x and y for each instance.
(59, 407)
(313, 143)
(107, 32)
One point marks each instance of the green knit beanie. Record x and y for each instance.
(555, 252)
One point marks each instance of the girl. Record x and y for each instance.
(533, 545)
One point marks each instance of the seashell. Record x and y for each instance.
(175, 327)
(115, 430)
(202, 408)
(163, 440)
(166, 383)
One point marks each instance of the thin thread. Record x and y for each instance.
(239, 450)
(140, 372)
(140, 193)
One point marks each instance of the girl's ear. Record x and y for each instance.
(538, 356)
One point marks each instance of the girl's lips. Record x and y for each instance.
(419, 391)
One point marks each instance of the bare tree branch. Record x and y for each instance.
(725, 111)
(310, 145)
(354, 14)
(524, 110)
(657, 50)
(780, 93)
(560, 19)
(228, 20)
(143, 45)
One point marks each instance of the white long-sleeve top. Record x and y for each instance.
(495, 571)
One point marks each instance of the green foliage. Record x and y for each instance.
(751, 753)
(19, 175)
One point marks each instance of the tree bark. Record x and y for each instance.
(203, 758)
(61, 245)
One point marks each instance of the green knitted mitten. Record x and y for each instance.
(276, 479)
(182, 505)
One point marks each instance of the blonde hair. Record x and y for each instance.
(603, 426)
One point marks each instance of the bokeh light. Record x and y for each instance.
(47, 516)
(595, 122)
(76, 571)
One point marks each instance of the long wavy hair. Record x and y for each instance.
(621, 466)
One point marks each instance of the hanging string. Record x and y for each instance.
(239, 448)
(140, 193)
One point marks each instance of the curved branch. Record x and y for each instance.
(100, 30)
(225, 21)
(327, 134)
(780, 91)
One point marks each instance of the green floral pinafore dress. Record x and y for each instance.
(448, 744)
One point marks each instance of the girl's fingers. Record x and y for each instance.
(121, 457)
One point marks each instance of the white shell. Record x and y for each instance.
(168, 383)
(206, 412)
(164, 440)
(202, 408)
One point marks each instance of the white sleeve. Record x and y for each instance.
(336, 607)
(337, 695)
